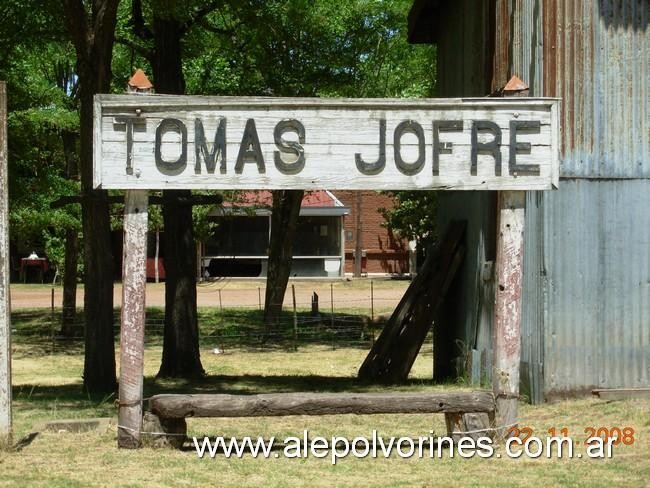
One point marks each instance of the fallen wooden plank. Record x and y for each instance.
(621, 393)
(284, 404)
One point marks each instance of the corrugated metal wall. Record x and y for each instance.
(597, 257)
(597, 58)
(596, 246)
(586, 313)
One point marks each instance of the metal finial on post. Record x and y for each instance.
(139, 83)
(515, 88)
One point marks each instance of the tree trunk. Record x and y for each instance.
(156, 264)
(71, 244)
(99, 359)
(284, 220)
(93, 37)
(70, 283)
(181, 355)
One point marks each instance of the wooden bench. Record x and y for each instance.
(464, 411)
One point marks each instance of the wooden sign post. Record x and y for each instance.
(134, 285)
(5, 316)
(134, 282)
(509, 274)
(507, 310)
(161, 142)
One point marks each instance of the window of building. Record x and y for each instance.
(239, 236)
(318, 236)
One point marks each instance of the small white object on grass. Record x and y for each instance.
(217, 350)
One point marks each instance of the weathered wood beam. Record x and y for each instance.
(153, 200)
(507, 310)
(134, 281)
(621, 393)
(5, 315)
(284, 404)
(511, 210)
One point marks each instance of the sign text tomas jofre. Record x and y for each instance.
(164, 142)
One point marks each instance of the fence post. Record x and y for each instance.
(220, 303)
(52, 319)
(332, 304)
(314, 305)
(295, 319)
(5, 310)
(372, 301)
(332, 312)
(372, 312)
(259, 297)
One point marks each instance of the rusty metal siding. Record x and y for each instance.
(583, 316)
(595, 247)
(586, 310)
(597, 59)
(519, 43)
(597, 261)
(534, 301)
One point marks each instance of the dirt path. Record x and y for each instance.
(239, 293)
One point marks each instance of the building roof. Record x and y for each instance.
(317, 202)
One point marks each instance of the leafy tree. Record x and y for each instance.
(157, 31)
(91, 27)
(43, 125)
(413, 217)
(322, 48)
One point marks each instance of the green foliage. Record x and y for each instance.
(349, 48)
(414, 216)
(308, 48)
(204, 226)
(42, 117)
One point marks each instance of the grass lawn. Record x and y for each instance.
(47, 387)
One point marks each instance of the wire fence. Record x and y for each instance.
(231, 321)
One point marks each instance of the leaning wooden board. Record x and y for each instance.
(164, 142)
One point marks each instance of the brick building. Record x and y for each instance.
(385, 253)
(325, 241)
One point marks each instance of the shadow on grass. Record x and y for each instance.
(40, 328)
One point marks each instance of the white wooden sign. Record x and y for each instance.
(176, 142)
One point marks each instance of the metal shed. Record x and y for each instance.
(586, 310)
